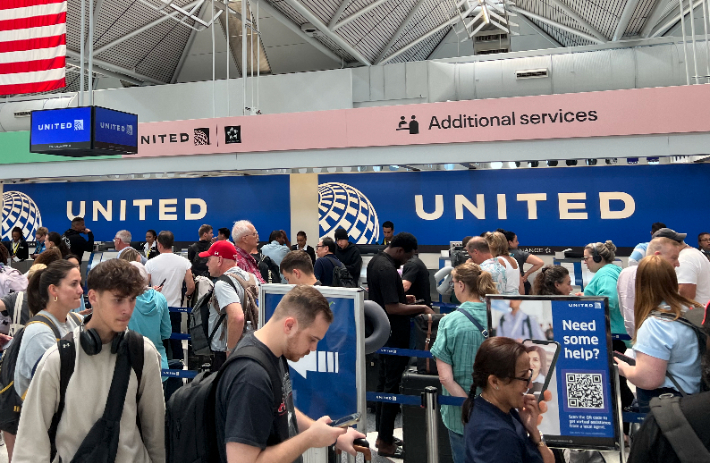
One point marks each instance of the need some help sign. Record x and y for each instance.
(586, 392)
(324, 382)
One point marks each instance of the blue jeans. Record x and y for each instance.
(458, 446)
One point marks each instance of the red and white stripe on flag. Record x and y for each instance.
(33, 45)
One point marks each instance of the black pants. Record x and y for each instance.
(390, 376)
(627, 397)
(218, 359)
(176, 344)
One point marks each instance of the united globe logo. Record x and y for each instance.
(342, 206)
(19, 210)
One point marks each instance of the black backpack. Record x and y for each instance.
(341, 276)
(458, 257)
(190, 431)
(199, 264)
(101, 443)
(270, 272)
(10, 401)
(677, 429)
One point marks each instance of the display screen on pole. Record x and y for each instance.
(61, 129)
(584, 410)
(115, 130)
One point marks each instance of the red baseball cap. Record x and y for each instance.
(221, 248)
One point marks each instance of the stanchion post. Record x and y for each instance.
(432, 428)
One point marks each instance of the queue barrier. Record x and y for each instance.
(402, 399)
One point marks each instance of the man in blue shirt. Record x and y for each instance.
(276, 250)
(326, 262)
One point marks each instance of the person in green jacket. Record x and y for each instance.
(599, 258)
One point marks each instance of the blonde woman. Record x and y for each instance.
(456, 344)
(667, 354)
(498, 245)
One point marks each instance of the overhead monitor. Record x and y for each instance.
(85, 131)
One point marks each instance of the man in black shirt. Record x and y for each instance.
(76, 243)
(348, 253)
(326, 262)
(199, 264)
(415, 279)
(385, 288)
(248, 428)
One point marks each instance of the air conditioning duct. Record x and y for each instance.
(532, 74)
(15, 115)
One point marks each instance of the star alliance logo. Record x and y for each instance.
(232, 134)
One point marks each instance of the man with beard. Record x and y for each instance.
(248, 429)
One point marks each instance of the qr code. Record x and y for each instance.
(78, 124)
(585, 390)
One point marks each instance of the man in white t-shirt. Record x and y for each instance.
(693, 273)
(169, 270)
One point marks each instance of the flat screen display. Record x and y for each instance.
(115, 130)
(60, 129)
(584, 411)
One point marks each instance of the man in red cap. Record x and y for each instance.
(233, 301)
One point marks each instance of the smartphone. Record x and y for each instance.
(543, 358)
(161, 284)
(346, 421)
(629, 360)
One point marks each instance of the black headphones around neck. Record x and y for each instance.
(595, 256)
(91, 341)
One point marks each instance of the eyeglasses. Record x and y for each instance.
(320, 245)
(527, 380)
(585, 259)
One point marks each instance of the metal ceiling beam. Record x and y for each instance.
(407, 21)
(625, 19)
(142, 29)
(544, 34)
(338, 13)
(358, 13)
(581, 21)
(657, 12)
(106, 73)
(552, 23)
(432, 32)
(112, 67)
(313, 19)
(186, 50)
(283, 19)
(675, 19)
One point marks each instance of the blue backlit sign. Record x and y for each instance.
(85, 131)
(115, 130)
(57, 129)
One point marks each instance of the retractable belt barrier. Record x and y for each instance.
(401, 399)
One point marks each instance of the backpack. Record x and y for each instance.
(199, 264)
(101, 443)
(702, 339)
(677, 429)
(458, 257)
(190, 431)
(426, 329)
(526, 322)
(198, 320)
(270, 272)
(10, 401)
(11, 281)
(341, 276)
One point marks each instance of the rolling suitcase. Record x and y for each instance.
(414, 421)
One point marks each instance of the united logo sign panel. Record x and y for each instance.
(33, 43)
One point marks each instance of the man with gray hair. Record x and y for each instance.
(668, 249)
(122, 241)
(246, 239)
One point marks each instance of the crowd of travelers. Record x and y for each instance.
(114, 332)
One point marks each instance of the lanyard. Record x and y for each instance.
(15, 247)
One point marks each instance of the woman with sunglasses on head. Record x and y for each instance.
(501, 422)
(553, 280)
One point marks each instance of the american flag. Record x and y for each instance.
(33, 43)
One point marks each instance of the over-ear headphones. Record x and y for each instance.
(595, 256)
(91, 341)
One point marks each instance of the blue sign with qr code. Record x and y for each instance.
(324, 381)
(585, 396)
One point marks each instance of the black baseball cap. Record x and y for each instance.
(672, 234)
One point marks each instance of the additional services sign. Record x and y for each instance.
(325, 382)
(545, 207)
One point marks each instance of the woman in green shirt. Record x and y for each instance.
(457, 343)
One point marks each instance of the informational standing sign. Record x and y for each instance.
(584, 412)
(331, 380)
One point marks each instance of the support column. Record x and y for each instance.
(304, 207)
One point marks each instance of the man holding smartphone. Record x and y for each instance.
(248, 427)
